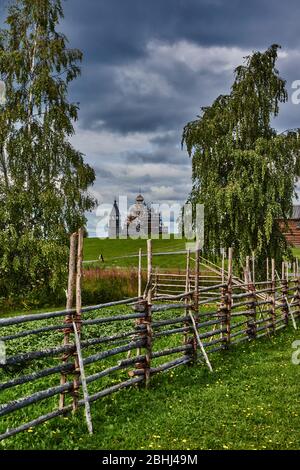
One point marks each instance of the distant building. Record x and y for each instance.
(114, 222)
(142, 221)
(292, 234)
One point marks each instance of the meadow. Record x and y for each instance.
(123, 253)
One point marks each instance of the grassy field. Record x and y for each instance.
(250, 401)
(115, 252)
(296, 252)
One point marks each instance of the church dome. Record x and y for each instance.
(139, 199)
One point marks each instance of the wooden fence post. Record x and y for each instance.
(251, 318)
(195, 309)
(140, 274)
(222, 312)
(229, 298)
(273, 295)
(223, 266)
(155, 284)
(253, 267)
(77, 319)
(148, 315)
(69, 305)
(197, 274)
(284, 300)
(282, 270)
(187, 289)
(248, 267)
(298, 296)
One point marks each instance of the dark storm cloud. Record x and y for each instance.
(114, 36)
(119, 30)
(145, 95)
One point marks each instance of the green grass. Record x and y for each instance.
(115, 251)
(251, 401)
(296, 252)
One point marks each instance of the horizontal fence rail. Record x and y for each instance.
(125, 343)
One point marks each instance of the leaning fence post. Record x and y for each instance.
(68, 319)
(83, 381)
(77, 319)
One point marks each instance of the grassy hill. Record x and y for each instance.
(123, 253)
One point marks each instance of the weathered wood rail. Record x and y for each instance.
(134, 347)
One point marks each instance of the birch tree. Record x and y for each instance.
(244, 172)
(44, 181)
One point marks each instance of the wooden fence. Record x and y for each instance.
(94, 351)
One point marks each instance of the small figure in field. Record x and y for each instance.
(101, 258)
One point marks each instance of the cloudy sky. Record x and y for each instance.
(148, 67)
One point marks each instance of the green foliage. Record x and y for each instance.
(43, 179)
(243, 171)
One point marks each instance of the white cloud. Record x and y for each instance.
(102, 142)
(214, 59)
(163, 192)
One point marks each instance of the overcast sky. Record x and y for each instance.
(149, 65)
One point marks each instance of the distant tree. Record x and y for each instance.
(244, 172)
(43, 179)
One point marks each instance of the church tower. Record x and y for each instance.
(114, 222)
